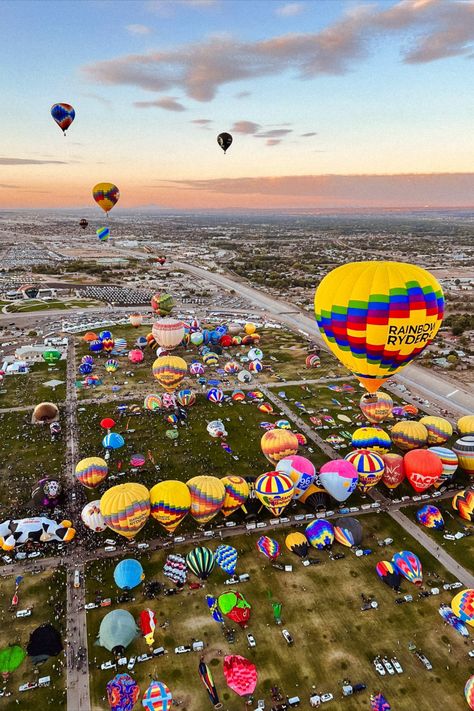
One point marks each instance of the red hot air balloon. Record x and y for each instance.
(394, 472)
(240, 674)
(423, 468)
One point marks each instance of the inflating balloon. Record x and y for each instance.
(389, 574)
(207, 497)
(465, 425)
(431, 517)
(226, 557)
(463, 503)
(450, 462)
(92, 517)
(464, 449)
(277, 444)
(201, 562)
(269, 547)
(236, 494)
(394, 471)
(409, 565)
(348, 531)
(240, 674)
(369, 466)
(439, 429)
(371, 438)
(300, 470)
(320, 533)
(462, 605)
(297, 543)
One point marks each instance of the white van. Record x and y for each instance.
(44, 681)
(143, 546)
(24, 613)
(109, 549)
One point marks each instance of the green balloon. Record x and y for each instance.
(10, 658)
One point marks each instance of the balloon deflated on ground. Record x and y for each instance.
(122, 692)
(463, 503)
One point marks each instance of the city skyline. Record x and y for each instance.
(331, 104)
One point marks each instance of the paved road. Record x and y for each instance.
(429, 384)
(78, 697)
(437, 551)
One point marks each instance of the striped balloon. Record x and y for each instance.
(469, 692)
(464, 448)
(196, 368)
(215, 395)
(465, 425)
(269, 547)
(277, 444)
(168, 333)
(462, 605)
(157, 697)
(103, 233)
(91, 472)
(162, 304)
(169, 371)
(320, 533)
(226, 558)
(369, 466)
(376, 407)
(210, 359)
(126, 508)
(170, 503)
(409, 435)
(371, 438)
(64, 115)
(255, 366)
(275, 490)
(439, 429)
(236, 494)
(207, 497)
(152, 402)
(463, 503)
(449, 460)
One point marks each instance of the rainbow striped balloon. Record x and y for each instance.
(170, 503)
(152, 402)
(236, 494)
(409, 435)
(157, 697)
(449, 460)
(91, 472)
(269, 547)
(369, 466)
(278, 443)
(126, 508)
(376, 407)
(207, 497)
(462, 605)
(469, 692)
(464, 448)
(170, 371)
(439, 429)
(371, 438)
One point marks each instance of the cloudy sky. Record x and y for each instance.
(331, 103)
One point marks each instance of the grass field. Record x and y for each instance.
(45, 593)
(38, 305)
(334, 640)
(26, 455)
(28, 388)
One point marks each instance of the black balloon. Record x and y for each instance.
(45, 642)
(83, 223)
(224, 140)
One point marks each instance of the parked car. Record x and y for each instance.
(287, 636)
(251, 640)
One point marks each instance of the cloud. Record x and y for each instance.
(97, 97)
(6, 186)
(169, 103)
(274, 133)
(309, 135)
(201, 122)
(243, 94)
(248, 127)
(272, 141)
(31, 161)
(428, 30)
(290, 9)
(138, 29)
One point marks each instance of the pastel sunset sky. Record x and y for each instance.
(331, 103)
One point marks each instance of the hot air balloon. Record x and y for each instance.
(210, 359)
(224, 140)
(103, 233)
(236, 494)
(136, 319)
(185, 398)
(408, 564)
(157, 697)
(449, 460)
(369, 467)
(274, 490)
(464, 449)
(312, 361)
(431, 517)
(388, 574)
(269, 547)
(465, 425)
(122, 692)
(10, 659)
(91, 472)
(234, 606)
(45, 641)
(463, 503)
(106, 195)
(315, 498)
(200, 561)
(423, 468)
(207, 497)
(162, 304)
(439, 429)
(409, 435)
(152, 402)
(169, 371)
(83, 223)
(376, 407)
(240, 674)
(462, 605)
(320, 533)
(231, 367)
(45, 413)
(147, 623)
(117, 630)
(216, 614)
(394, 471)
(469, 692)
(64, 115)
(92, 518)
(96, 346)
(47, 492)
(113, 440)
(300, 470)
(128, 574)
(170, 503)
(376, 317)
(339, 478)
(111, 365)
(126, 508)
(297, 543)
(277, 444)
(378, 702)
(215, 395)
(372, 438)
(136, 356)
(51, 356)
(206, 678)
(226, 557)
(85, 368)
(216, 429)
(348, 531)
(168, 333)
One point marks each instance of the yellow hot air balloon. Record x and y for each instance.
(170, 503)
(126, 508)
(277, 444)
(169, 371)
(106, 195)
(464, 448)
(466, 425)
(236, 494)
(439, 429)
(409, 435)
(377, 407)
(377, 316)
(207, 497)
(250, 329)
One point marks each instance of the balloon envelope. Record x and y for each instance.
(409, 435)
(170, 502)
(339, 478)
(423, 468)
(409, 566)
(369, 467)
(430, 516)
(277, 444)
(240, 674)
(64, 115)
(462, 605)
(126, 508)
(300, 470)
(207, 497)
(320, 533)
(122, 692)
(376, 407)
(106, 195)
(389, 574)
(224, 140)
(91, 472)
(275, 491)
(236, 494)
(128, 574)
(439, 429)
(463, 503)
(394, 470)
(92, 517)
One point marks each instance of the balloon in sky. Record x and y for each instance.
(170, 502)
(297, 543)
(92, 517)
(269, 547)
(64, 115)
(236, 493)
(450, 462)
(234, 606)
(224, 140)
(462, 605)
(91, 472)
(240, 674)
(157, 697)
(409, 435)
(430, 516)
(277, 444)
(388, 574)
(168, 333)
(122, 692)
(226, 558)
(162, 304)
(201, 562)
(376, 407)
(464, 449)
(106, 195)
(394, 471)
(376, 317)
(469, 692)
(320, 533)
(348, 531)
(423, 468)
(275, 491)
(463, 503)
(369, 466)
(371, 438)
(339, 478)
(409, 566)
(300, 470)
(439, 429)
(126, 508)
(128, 574)
(169, 371)
(465, 425)
(207, 497)
(103, 233)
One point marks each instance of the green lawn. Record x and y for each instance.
(28, 388)
(39, 305)
(45, 593)
(321, 608)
